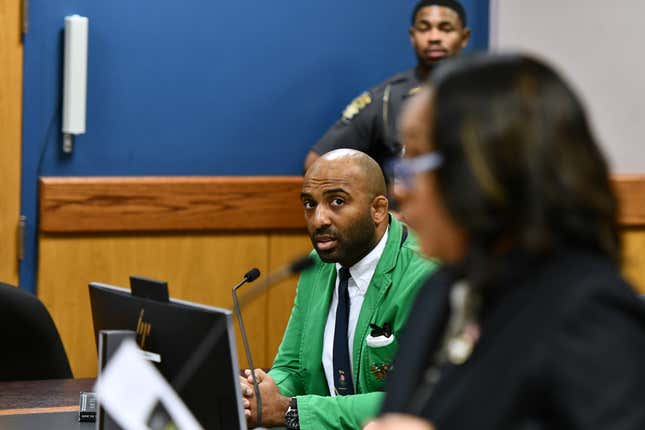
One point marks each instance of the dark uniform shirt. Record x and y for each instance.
(368, 123)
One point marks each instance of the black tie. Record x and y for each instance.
(342, 365)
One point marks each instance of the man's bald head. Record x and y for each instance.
(343, 194)
(356, 165)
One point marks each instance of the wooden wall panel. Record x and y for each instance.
(203, 266)
(634, 257)
(282, 249)
(118, 204)
(96, 204)
(10, 136)
(200, 268)
(630, 190)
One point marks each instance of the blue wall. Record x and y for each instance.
(205, 87)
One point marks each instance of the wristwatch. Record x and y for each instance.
(291, 416)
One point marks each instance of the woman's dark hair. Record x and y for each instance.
(521, 166)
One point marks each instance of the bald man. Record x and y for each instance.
(350, 307)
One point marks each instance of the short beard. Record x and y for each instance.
(359, 243)
(423, 63)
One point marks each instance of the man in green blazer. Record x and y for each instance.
(350, 307)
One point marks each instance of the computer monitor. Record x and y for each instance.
(149, 288)
(175, 330)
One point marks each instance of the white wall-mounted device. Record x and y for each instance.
(74, 79)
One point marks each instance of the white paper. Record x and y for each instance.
(130, 387)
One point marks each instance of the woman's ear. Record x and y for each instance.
(379, 209)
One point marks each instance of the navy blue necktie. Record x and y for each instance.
(342, 365)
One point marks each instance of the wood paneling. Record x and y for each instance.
(169, 204)
(96, 204)
(10, 137)
(199, 268)
(631, 194)
(634, 257)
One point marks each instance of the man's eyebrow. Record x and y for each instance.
(442, 21)
(335, 191)
(304, 195)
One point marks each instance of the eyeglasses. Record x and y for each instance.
(403, 170)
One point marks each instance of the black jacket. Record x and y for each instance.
(562, 346)
(369, 122)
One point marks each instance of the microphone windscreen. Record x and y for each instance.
(301, 264)
(252, 274)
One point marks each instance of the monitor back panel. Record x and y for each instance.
(174, 330)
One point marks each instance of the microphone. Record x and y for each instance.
(250, 276)
(296, 266)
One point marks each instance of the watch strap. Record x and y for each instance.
(291, 419)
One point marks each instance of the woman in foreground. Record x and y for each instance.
(529, 325)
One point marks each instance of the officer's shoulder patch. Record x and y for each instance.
(357, 105)
(414, 91)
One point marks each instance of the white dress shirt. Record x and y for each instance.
(361, 275)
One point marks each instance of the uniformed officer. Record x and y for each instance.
(368, 123)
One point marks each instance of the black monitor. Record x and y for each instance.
(149, 288)
(175, 330)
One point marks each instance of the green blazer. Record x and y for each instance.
(298, 369)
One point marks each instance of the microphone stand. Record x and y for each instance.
(296, 266)
(256, 387)
(209, 341)
(217, 330)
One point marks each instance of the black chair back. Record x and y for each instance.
(30, 344)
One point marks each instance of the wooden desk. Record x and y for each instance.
(53, 395)
(51, 404)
